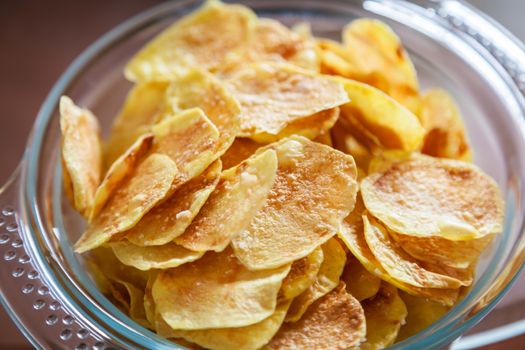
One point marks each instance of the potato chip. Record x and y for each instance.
(345, 141)
(112, 269)
(393, 125)
(240, 193)
(81, 155)
(142, 108)
(149, 304)
(445, 135)
(118, 172)
(155, 257)
(359, 282)
(326, 280)
(435, 197)
(337, 60)
(379, 55)
(335, 321)
(398, 263)
(240, 150)
(170, 219)
(421, 314)
(193, 41)
(302, 275)
(273, 95)
(216, 291)
(203, 90)
(325, 138)
(385, 313)
(135, 310)
(314, 190)
(146, 186)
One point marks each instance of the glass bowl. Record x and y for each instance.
(44, 285)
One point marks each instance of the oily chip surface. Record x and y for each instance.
(305, 206)
(302, 275)
(216, 291)
(81, 154)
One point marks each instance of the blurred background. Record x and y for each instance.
(39, 39)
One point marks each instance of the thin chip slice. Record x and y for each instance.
(359, 282)
(421, 314)
(445, 135)
(273, 95)
(81, 154)
(393, 125)
(142, 108)
(240, 150)
(428, 196)
(379, 55)
(146, 186)
(302, 275)
(203, 38)
(156, 257)
(345, 141)
(216, 291)
(240, 193)
(118, 172)
(337, 60)
(136, 303)
(384, 313)
(398, 263)
(334, 322)
(326, 280)
(314, 190)
(170, 219)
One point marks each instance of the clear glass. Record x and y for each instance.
(452, 46)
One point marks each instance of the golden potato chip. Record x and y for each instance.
(273, 95)
(435, 197)
(135, 309)
(335, 321)
(203, 90)
(155, 257)
(325, 138)
(359, 282)
(445, 135)
(398, 263)
(314, 190)
(240, 150)
(337, 60)
(81, 155)
(345, 141)
(146, 186)
(302, 275)
(379, 55)
(170, 219)
(378, 114)
(240, 193)
(326, 280)
(203, 38)
(142, 108)
(149, 304)
(385, 313)
(421, 314)
(119, 170)
(113, 269)
(216, 291)
(381, 162)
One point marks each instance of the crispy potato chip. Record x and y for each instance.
(383, 161)
(170, 219)
(142, 108)
(149, 304)
(359, 282)
(398, 263)
(393, 125)
(136, 303)
(384, 313)
(421, 314)
(119, 170)
(381, 60)
(113, 269)
(435, 197)
(335, 321)
(445, 136)
(314, 190)
(81, 155)
(325, 138)
(203, 90)
(156, 257)
(193, 41)
(302, 275)
(240, 193)
(240, 150)
(273, 95)
(326, 280)
(216, 291)
(146, 186)
(345, 141)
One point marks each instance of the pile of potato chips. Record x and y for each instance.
(264, 188)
